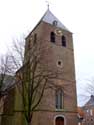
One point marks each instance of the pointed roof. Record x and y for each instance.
(8, 83)
(50, 18)
(91, 101)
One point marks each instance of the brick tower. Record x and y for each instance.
(58, 106)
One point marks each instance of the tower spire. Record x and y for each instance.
(47, 4)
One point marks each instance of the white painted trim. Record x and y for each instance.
(60, 116)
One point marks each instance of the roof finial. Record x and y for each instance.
(47, 4)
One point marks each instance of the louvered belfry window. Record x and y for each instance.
(52, 37)
(63, 38)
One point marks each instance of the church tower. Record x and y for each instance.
(58, 106)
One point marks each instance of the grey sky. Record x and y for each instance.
(20, 16)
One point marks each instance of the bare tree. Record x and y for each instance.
(86, 89)
(9, 64)
(89, 88)
(6, 81)
(16, 54)
(33, 74)
(4, 71)
(33, 77)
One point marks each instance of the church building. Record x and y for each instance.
(58, 106)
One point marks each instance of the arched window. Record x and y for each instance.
(59, 98)
(52, 37)
(63, 41)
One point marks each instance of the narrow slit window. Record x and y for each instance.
(59, 98)
(35, 38)
(64, 41)
(52, 37)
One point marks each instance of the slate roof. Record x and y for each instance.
(49, 18)
(8, 82)
(91, 101)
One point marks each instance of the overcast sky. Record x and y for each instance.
(18, 17)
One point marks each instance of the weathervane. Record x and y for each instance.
(47, 4)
